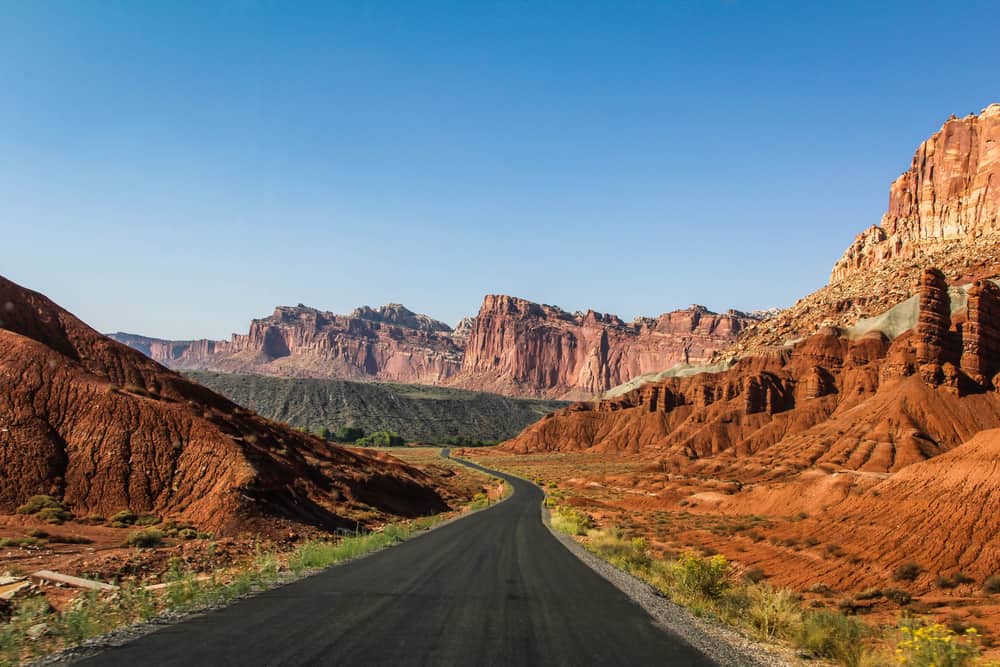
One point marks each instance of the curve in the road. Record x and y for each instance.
(493, 588)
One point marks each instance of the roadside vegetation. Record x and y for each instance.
(31, 628)
(713, 588)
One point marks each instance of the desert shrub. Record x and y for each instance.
(936, 646)
(69, 539)
(961, 578)
(36, 504)
(123, 519)
(907, 572)
(53, 515)
(147, 520)
(614, 547)
(834, 636)
(898, 595)
(571, 521)
(992, 584)
(187, 533)
(19, 542)
(820, 588)
(145, 539)
(869, 594)
(772, 612)
(754, 575)
(702, 576)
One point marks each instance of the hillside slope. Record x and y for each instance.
(418, 413)
(104, 428)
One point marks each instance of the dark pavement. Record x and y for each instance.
(494, 588)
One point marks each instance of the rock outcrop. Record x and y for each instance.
(104, 428)
(514, 347)
(951, 191)
(865, 403)
(944, 212)
(391, 344)
(524, 348)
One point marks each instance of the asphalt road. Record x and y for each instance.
(494, 588)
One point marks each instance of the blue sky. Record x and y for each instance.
(175, 169)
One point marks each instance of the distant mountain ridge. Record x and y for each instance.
(513, 347)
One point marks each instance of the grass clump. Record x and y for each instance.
(629, 554)
(834, 636)
(571, 521)
(145, 539)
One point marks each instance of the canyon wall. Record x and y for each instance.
(390, 344)
(520, 347)
(513, 347)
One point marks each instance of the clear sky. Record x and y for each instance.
(175, 169)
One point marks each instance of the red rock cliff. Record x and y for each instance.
(103, 428)
(390, 343)
(520, 347)
(950, 192)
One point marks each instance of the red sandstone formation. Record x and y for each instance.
(866, 404)
(950, 192)
(943, 212)
(524, 348)
(513, 347)
(104, 428)
(389, 344)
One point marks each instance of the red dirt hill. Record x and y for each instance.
(104, 428)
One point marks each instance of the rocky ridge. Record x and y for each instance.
(104, 428)
(513, 347)
(524, 348)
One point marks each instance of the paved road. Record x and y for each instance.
(495, 588)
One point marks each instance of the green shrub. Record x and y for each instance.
(53, 515)
(147, 520)
(702, 576)
(831, 635)
(19, 542)
(145, 539)
(123, 519)
(187, 533)
(628, 554)
(936, 646)
(571, 521)
(35, 504)
(907, 572)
